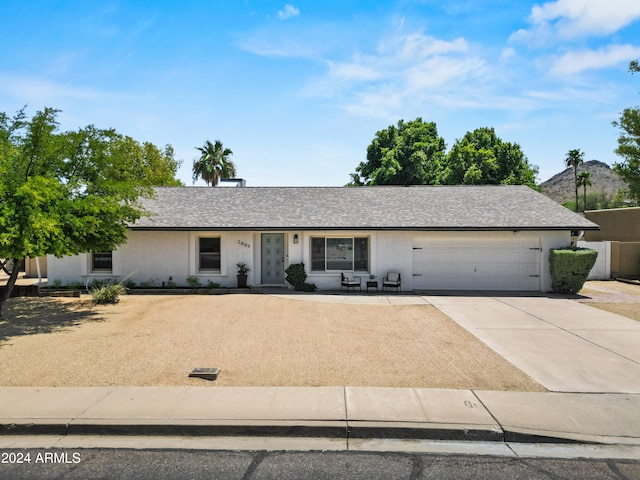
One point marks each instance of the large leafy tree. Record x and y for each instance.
(214, 163)
(65, 193)
(481, 157)
(410, 153)
(573, 159)
(148, 164)
(629, 146)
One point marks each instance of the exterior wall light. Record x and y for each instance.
(295, 238)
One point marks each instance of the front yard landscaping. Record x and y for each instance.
(256, 340)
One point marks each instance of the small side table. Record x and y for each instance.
(372, 284)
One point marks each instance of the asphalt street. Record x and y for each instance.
(198, 464)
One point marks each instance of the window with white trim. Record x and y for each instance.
(340, 254)
(209, 254)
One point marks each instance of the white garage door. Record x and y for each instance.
(477, 263)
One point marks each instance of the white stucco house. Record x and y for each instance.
(437, 237)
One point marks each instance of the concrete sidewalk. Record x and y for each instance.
(326, 412)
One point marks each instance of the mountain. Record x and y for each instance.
(561, 187)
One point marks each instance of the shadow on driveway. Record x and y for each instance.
(31, 316)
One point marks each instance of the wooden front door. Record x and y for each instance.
(272, 258)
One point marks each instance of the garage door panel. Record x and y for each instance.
(478, 263)
(514, 257)
(492, 270)
(514, 270)
(487, 283)
(487, 256)
(461, 256)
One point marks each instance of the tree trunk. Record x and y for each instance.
(10, 283)
(585, 198)
(575, 175)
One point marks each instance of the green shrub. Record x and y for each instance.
(570, 268)
(307, 287)
(108, 293)
(297, 277)
(171, 283)
(129, 284)
(295, 274)
(211, 284)
(77, 285)
(194, 282)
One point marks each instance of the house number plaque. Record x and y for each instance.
(243, 244)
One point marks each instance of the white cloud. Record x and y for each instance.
(358, 70)
(401, 58)
(265, 45)
(404, 69)
(578, 61)
(566, 19)
(377, 104)
(288, 11)
(507, 53)
(440, 72)
(574, 97)
(39, 90)
(294, 41)
(418, 45)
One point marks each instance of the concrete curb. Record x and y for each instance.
(341, 430)
(312, 429)
(335, 430)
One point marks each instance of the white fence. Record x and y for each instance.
(602, 269)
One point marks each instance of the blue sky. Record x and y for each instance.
(298, 89)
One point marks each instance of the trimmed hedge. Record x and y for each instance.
(570, 268)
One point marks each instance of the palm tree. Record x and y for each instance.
(573, 159)
(213, 164)
(583, 181)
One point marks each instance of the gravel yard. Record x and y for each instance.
(615, 297)
(256, 340)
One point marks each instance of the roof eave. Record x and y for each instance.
(504, 228)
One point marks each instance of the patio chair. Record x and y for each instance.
(392, 280)
(347, 280)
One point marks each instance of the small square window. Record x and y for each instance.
(102, 261)
(209, 254)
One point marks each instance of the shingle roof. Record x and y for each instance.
(369, 208)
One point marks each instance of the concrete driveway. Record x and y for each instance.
(562, 344)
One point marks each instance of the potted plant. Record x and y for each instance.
(242, 274)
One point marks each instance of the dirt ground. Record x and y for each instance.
(613, 296)
(256, 340)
